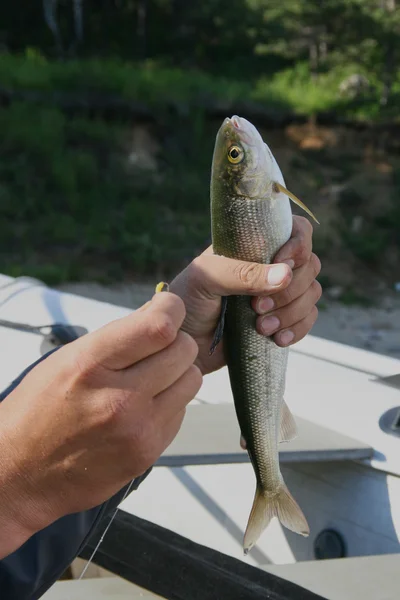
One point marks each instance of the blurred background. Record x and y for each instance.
(108, 116)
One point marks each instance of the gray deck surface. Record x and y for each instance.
(365, 578)
(210, 435)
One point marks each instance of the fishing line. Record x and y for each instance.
(104, 533)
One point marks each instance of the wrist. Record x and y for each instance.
(12, 535)
(17, 514)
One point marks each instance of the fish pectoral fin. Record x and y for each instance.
(267, 505)
(280, 188)
(243, 443)
(219, 331)
(288, 430)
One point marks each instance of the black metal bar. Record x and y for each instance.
(177, 568)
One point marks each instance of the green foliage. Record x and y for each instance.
(158, 86)
(296, 89)
(145, 82)
(70, 204)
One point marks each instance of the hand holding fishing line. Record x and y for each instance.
(92, 416)
(287, 290)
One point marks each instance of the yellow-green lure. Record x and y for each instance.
(162, 287)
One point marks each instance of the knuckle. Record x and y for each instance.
(196, 270)
(143, 441)
(117, 402)
(179, 419)
(317, 289)
(188, 345)
(303, 253)
(249, 274)
(162, 328)
(196, 377)
(305, 226)
(196, 264)
(84, 368)
(144, 431)
(314, 315)
(315, 264)
(286, 297)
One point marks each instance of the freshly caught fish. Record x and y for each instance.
(251, 220)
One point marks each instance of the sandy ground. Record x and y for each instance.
(376, 329)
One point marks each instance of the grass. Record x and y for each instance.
(156, 85)
(146, 82)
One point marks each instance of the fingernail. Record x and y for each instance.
(265, 304)
(286, 337)
(289, 262)
(276, 275)
(269, 325)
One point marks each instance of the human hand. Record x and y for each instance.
(93, 415)
(284, 293)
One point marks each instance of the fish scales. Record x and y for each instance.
(251, 220)
(257, 365)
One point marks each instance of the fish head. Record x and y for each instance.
(242, 160)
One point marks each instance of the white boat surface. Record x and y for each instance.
(343, 469)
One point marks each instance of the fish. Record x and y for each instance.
(251, 219)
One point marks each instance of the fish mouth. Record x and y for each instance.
(235, 120)
(237, 126)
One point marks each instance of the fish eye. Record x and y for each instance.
(235, 154)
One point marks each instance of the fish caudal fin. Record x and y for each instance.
(288, 425)
(265, 507)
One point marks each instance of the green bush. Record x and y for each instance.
(69, 202)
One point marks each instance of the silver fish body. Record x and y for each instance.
(251, 220)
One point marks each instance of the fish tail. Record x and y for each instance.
(266, 506)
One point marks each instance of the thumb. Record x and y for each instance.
(226, 276)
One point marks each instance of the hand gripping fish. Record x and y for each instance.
(251, 219)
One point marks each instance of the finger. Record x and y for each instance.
(125, 341)
(298, 331)
(298, 248)
(175, 398)
(303, 277)
(286, 316)
(221, 276)
(158, 437)
(159, 371)
(170, 430)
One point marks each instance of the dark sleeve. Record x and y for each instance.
(30, 571)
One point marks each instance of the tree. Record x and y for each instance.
(51, 17)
